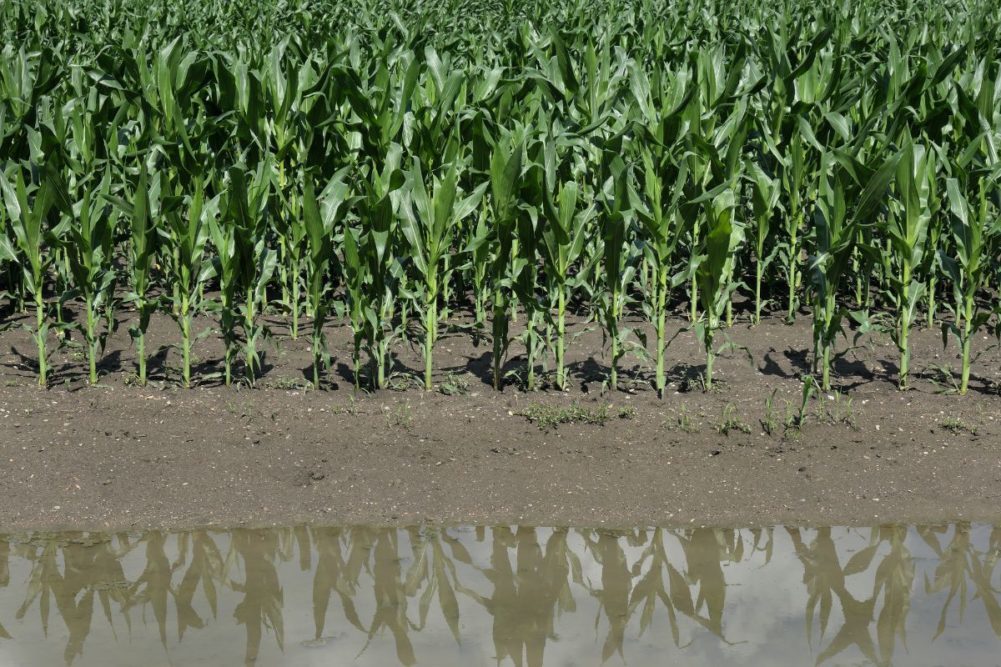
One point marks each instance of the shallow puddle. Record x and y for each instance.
(504, 595)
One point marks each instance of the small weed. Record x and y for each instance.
(627, 412)
(132, 380)
(401, 417)
(698, 383)
(403, 382)
(454, 385)
(795, 420)
(351, 408)
(841, 411)
(683, 422)
(944, 379)
(955, 425)
(550, 416)
(730, 422)
(770, 422)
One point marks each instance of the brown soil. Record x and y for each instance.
(118, 456)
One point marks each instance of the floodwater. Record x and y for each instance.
(507, 595)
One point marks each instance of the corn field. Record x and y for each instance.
(402, 168)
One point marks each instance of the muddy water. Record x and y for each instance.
(504, 595)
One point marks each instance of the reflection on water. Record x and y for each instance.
(506, 595)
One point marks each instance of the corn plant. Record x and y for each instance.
(563, 241)
(664, 225)
(714, 274)
(370, 267)
(428, 223)
(225, 266)
(321, 219)
(28, 210)
(664, 182)
(618, 267)
(144, 243)
(505, 184)
(91, 260)
(836, 224)
(765, 193)
(906, 228)
(188, 219)
(976, 235)
(247, 198)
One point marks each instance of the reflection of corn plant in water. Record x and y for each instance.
(76, 575)
(826, 580)
(961, 564)
(261, 606)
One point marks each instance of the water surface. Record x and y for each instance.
(507, 595)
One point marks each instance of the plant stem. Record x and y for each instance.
(430, 324)
(250, 353)
(91, 340)
(141, 352)
(43, 368)
(316, 356)
(905, 324)
(186, 339)
(561, 372)
(932, 281)
(295, 305)
(530, 343)
(710, 355)
(661, 317)
(967, 335)
(499, 333)
(757, 290)
(793, 273)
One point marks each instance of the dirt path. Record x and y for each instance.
(119, 456)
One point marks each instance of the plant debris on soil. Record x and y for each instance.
(119, 456)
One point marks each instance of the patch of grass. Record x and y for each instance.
(403, 382)
(454, 385)
(288, 384)
(841, 410)
(729, 422)
(955, 425)
(351, 408)
(402, 416)
(550, 416)
(627, 412)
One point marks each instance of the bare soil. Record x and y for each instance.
(118, 456)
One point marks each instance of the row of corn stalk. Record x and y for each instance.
(381, 172)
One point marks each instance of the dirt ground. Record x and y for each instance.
(118, 456)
